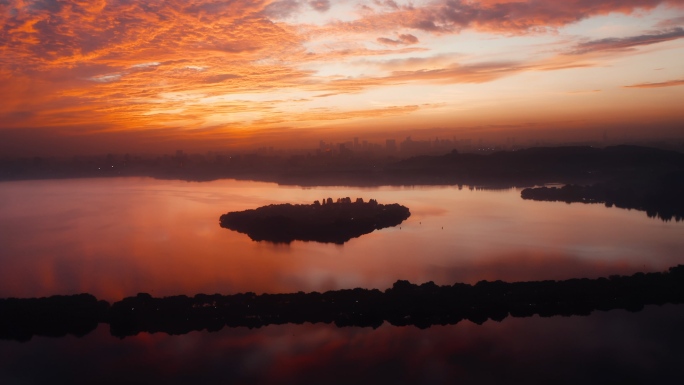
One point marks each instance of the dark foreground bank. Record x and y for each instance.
(403, 304)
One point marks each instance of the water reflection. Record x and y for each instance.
(608, 347)
(404, 304)
(117, 237)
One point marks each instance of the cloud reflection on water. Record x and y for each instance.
(117, 237)
(607, 347)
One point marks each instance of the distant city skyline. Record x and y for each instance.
(80, 78)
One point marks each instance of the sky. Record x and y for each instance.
(95, 76)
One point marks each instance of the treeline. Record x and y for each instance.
(403, 304)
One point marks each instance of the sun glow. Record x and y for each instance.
(159, 67)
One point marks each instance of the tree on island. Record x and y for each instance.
(332, 222)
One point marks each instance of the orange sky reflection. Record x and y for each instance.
(117, 237)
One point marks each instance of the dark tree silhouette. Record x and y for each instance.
(402, 304)
(660, 196)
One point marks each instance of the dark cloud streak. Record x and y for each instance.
(404, 39)
(615, 44)
(501, 16)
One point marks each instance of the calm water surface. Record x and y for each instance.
(615, 347)
(117, 237)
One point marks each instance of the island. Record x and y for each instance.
(326, 222)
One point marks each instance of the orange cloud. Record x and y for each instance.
(471, 73)
(669, 83)
(84, 68)
(504, 16)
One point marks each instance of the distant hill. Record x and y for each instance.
(541, 165)
(520, 168)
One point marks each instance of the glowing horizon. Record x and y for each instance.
(120, 75)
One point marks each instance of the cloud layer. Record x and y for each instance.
(85, 67)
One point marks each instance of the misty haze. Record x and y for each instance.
(341, 191)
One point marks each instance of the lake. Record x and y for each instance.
(120, 236)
